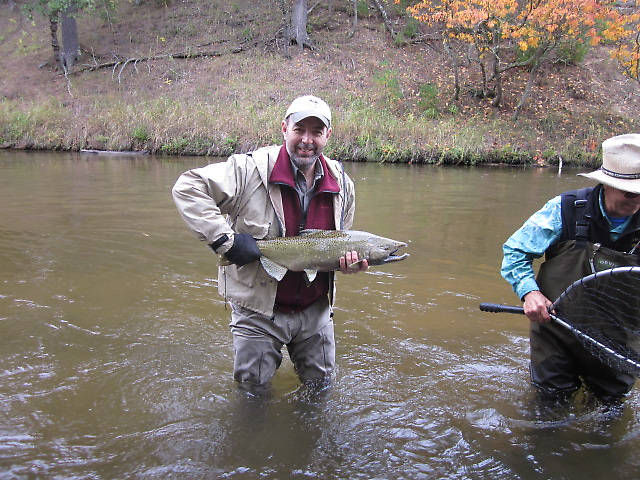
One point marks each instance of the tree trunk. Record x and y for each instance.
(537, 62)
(355, 18)
(634, 72)
(298, 33)
(70, 44)
(53, 27)
(527, 90)
(497, 91)
(496, 36)
(456, 67)
(483, 76)
(285, 27)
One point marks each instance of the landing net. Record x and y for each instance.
(603, 310)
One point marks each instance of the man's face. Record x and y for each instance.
(619, 203)
(305, 140)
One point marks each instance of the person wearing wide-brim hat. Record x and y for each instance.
(578, 231)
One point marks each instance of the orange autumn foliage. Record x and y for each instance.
(513, 33)
(527, 22)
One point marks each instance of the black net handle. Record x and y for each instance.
(499, 308)
(617, 359)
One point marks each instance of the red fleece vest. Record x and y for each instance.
(294, 294)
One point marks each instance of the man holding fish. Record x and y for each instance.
(277, 191)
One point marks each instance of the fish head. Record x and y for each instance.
(384, 250)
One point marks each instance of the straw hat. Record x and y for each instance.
(620, 163)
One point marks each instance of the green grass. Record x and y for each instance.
(362, 131)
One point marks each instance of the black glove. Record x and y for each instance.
(244, 249)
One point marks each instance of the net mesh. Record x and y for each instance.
(603, 310)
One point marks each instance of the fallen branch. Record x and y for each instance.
(116, 152)
(311, 9)
(183, 55)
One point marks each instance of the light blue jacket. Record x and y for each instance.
(531, 240)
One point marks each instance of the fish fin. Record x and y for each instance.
(272, 268)
(359, 262)
(311, 275)
(315, 232)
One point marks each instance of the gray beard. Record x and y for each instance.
(303, 162)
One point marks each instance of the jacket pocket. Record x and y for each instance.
(257, 230)
(246, 275)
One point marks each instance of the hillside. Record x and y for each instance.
(231, 89)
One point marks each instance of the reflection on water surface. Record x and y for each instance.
(116, 355)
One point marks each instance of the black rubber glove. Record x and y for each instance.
(244, 249)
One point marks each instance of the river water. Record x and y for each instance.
(116, 357)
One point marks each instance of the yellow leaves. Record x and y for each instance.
(531, 23)
(527, 22)
(628, 56)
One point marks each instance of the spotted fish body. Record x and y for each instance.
(320, 250)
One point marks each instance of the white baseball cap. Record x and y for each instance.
(309, 106)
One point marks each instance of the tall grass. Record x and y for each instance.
(363, 130)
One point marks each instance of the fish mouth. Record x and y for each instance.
(396, 258)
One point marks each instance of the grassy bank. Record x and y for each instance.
(390, 104)
(361, 132)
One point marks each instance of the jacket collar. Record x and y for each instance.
(283, 173)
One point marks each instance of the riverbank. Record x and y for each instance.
(390, 103)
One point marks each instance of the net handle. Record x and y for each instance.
(633, 367)
(499, 308)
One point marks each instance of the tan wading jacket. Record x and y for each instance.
(235, 197)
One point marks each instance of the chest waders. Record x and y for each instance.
(559, 363)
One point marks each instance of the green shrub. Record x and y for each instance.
(525, 55)
(231, 142)
(431, 113)
(572, 51)
(362, 8)
(19, 126)
(428, 98)
(140, 134)
(388, 80)
(411, 28)
(175, 147)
